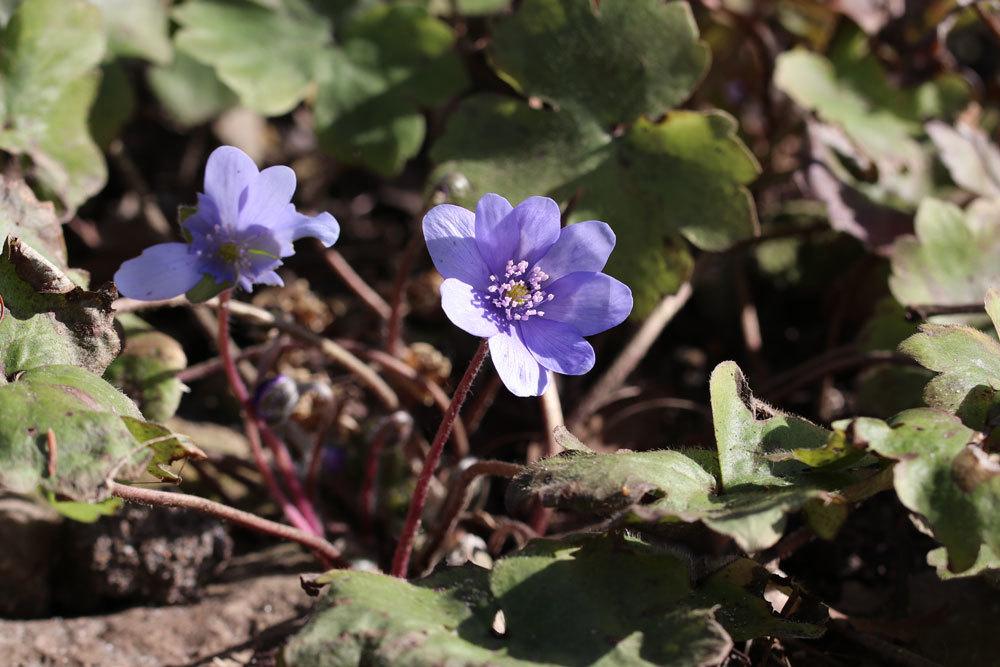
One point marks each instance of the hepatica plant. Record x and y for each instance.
(531, 289)
(514, 276)
(244, 225)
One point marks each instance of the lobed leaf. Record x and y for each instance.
(593, 600)
(48, 81)
(266, 54)
(393, 62)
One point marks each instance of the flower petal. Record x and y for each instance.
(515, 365)
(450, 233)
(323, 227)
(228, 173)
(269, 278)
(584, 246)
(589, 302)
(269, 198)
(162, 271)
(496, 235)
(558, 346)
(461, 304)
(538, 220)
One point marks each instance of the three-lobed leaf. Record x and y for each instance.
(585, 601)
(48, 81)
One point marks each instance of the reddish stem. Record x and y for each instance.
(256, 427)
(395, 327)
(325, 551)
(399, 422)
(401, 559)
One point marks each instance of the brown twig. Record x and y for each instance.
(837, 361)
(353, 280)
(394, 331)
(328, 553)
(214, 365)
(923, 312)
(552, 418)
(459, 435)
(455, 503)
(631, 355)
(51, 453)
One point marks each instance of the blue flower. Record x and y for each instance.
(514, 276)
(244, 224)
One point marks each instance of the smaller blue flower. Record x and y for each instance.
(244, 224)
(534, 289)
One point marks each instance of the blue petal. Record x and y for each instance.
(269, 198)
(228, 173)
(496, 235)
(161, 272)
(451, 240)
(270, 278)
(584, 246)
(590, 302)
(557, 346)
(205, 220)
(538, 218)
(461, 304)
(323, 227)
(515, 365)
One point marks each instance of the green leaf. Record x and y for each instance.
(33, 222)
(394, 61)
(228, 37)
(627, 59)
(85, 512)
(48, 80)
(466, 7)
(114, 105)
(586, 601)
(971, 158)
(137, 28)
(48, 319)
(84, 413)
(146, 372)
(953, 258)
(967, 362)
(953, 485)
(748, 444)
(190, 92)
(166, 447)
(662, 182)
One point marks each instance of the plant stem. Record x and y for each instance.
(278, 449)
(396, 308)
(352, 279)
(323, 549)
(458, 498)
(399, 422)
(401, 559)
(552, 417)
(631, 355)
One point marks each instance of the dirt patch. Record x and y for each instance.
(236, 623)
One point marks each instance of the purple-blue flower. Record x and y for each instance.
(534, 289)
(244, 224)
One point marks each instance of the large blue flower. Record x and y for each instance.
(514, 276)
(245, 223)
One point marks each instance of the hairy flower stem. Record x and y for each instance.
(552, 417)
(326, 552)
(399, 423)
(255, 425)
(401, 559)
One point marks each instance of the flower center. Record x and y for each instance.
(229, 253)
(517, 296)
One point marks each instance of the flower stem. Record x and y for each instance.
(401, 559)
(255, 426)
(552, 417)
(325, 551)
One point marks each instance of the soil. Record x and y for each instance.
(237, 622)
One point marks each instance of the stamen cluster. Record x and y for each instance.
(519, 296)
